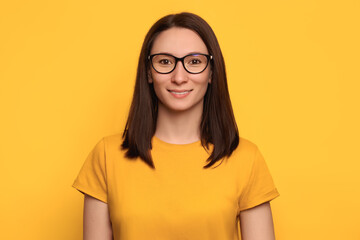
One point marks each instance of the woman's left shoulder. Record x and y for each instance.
(246, 147)
(245, 153)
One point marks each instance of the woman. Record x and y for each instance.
(180, 170)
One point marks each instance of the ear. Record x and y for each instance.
(210, 77)
(149, 77)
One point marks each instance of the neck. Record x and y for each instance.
(179, 127)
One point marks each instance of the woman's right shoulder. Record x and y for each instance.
(112, 142)
(109, 145)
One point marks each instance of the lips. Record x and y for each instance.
(179, 92)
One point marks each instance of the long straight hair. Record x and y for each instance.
(217, 127)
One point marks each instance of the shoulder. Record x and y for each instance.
(245, 154)
(112, 140)
(246, 147)
(110, 144)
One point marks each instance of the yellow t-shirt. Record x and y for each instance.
(179, 199)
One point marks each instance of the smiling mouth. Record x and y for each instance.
(179, 92)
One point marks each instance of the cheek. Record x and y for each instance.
(205, 84)
(203, 81)
(204, 89)
(157, 78)
(157, 90)
(158, 84)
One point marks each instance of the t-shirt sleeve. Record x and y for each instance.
(92, 178)
(260, 187)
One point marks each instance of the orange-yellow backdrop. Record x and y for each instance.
(67, 73)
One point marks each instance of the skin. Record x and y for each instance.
(97, 224)
(178, 122)
(256, 223)
(179, 119)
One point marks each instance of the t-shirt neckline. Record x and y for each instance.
(158, 141)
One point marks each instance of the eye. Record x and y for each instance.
(195, 61)
(165, 61)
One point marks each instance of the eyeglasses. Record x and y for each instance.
(166, 63)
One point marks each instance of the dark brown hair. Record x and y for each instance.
(218, 126)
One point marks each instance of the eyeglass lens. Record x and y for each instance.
(193, 63)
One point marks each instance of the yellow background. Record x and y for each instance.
(67, 72)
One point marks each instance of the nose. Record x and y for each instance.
(179, 75)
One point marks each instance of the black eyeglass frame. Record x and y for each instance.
(209, 58)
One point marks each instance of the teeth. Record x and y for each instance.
(179, 93)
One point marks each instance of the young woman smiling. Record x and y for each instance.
(180, 169)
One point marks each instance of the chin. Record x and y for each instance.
(182, 107)
(178, 108)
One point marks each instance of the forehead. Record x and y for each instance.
(178, 42)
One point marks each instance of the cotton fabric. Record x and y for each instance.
(179, 199)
